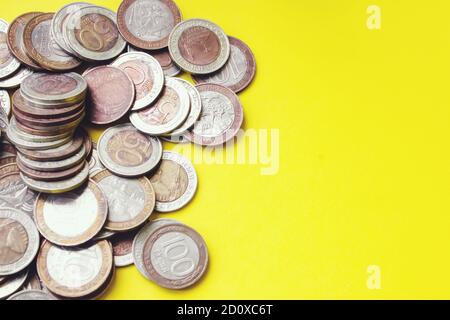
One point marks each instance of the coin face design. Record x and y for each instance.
(147, 24)
(170, 69)
(87, 35)
(16, 79)
(14, 241)
(32, 295)
(238, 72)
(8, 63)
(5, 102)
(199, 45)
(12, 284)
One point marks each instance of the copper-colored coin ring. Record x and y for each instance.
(51, 123)
(49, 131)
(33, 53)
(88, 143)
(50, 176)
(15, 39)
(91, 287)
(7, 160)
(140, 43)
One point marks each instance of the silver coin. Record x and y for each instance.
(4, 121)
(20, 241)
(170, 69)
(8, 63)
(35, 138)
(175, 182)
(126, 152)
(32, 295)
(5, 102)
(147, 76)
(141, 238)
(54, 166)
(168, 113)
(58, 23)
(86, 20)
(196, 108)
(16, 79)
(200, 59)
(12, 285)
(94, 163)
(58, 186)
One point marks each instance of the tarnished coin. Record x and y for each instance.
(195, 111)
(167, 114)
(32, 295)
(54, 88)
(175, 182)
(12, 284)
(43, 123)
(147, 76)
(169, 67)
(20, 241)
(238, 72)
(5, 102)
(111, 94)
(14, 193)
(130, 201)
(123, 249)
(53, 166)
(147, 24)
(49, 176)
(73, 218)
(91, 32)
(16, 79)
(8, 63)
(42, 48)
(75, 272)
(126, 152)
(15, 39)
(58, 186)
(175, 256)
(199, 46)
(221, 118)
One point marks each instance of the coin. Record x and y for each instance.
(12, 284)
(195, 111)
(5, 102)
(104, 288)
(123, 249)
(111, 94)
(146, 74)
(43, 123)
(20, 241)
(31, 295)
(238, 72)
(104, 235)
(130, 201)
(58, 186)
(75, 272)
(15, 39)
(147, 24)
(167, 114)
(16, 79)
(49, 176)
(94, 163)
(126, 152)
(4, 121)
(221, 118)
(8, 63)
(199, 46)
(88, 143)
(176, 139)
(175, 182)
(42, 48)
(170, 69)
(175, 269)
(73, 218)
(7, 160)
(17, 130)
(91, 32)
(52, 166)
(7, 149)
(65, 130)
(14, 193)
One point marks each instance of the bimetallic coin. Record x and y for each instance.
(130, 201)
(123, 249)
(175, 182)
(238, 72)
(147, 24)
(54, 166)
(95, 164)
(16, 79)
(19, 240)
(126, 152)
(32, 295)
(73, 218)
(12, 284)
(42, 48)
(5, 102)
(49, 176)
(75, 272)
(199, 46)
(8, 63)
(167, 114)
(36, 138)
(15, 39)
(91, 32)
(170, 69)
(175, 257)
(146, 74)
(111, 94)
(221, 118)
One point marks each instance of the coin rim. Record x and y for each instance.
(14, 65)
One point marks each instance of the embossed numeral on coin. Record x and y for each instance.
(178, 259)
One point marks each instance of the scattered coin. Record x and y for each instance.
(126, 152)
(30, 295)
(5, 102)
(123, 249)
(8, 63)
(170, 69)
(12, 284)
(16, 79)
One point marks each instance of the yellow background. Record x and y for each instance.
(364, 180)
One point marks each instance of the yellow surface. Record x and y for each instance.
(365, 172)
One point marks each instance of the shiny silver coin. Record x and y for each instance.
(175, 182)
(58, 186)
(5, 102)
(170, 69)
(38, 139)
(127, 152)
(141, 238)
(8, 63)
(87, 20)
(16, 79)
(196, 108)
(95, 164)
(21, 241)
(147, 76)
(168, 113)
(53, 166)
(12, 284)
(32, 295)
